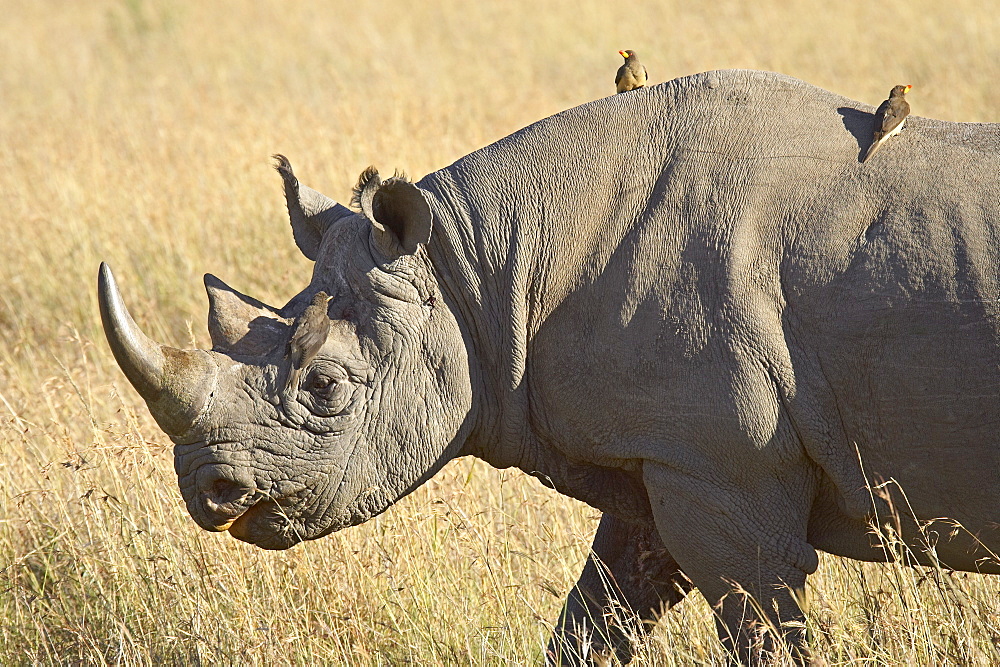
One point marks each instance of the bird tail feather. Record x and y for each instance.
(292, 378)
(872, 150)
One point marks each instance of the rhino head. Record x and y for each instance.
(385, 403)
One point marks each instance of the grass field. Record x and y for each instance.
(139, 133)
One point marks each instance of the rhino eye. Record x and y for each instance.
(322, 385)
(330, 393)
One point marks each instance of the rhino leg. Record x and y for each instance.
(742, 543)
(628, 581)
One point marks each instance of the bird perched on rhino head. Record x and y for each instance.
(632, 74)
(889, 118)
(308, 335)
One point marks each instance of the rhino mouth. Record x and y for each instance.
(265, 524)
(221, 516)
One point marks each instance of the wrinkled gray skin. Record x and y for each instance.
(726, 333)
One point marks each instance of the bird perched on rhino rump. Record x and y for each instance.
(889, 119)
(632, 74)
(308, 335)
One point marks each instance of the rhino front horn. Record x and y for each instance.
(174, 383)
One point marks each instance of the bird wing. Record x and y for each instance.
(619, 75)
(645, 74)
(308, 341)
(291, 378)
(880, 113)
(893, 116)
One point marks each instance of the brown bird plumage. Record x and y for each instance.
(632, 74)
(889, 119)
(308, 335)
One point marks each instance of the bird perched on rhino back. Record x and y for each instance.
(308, 335)
(632, 74)
(889, 118)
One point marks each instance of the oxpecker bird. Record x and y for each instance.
(632, 74)
(308, 335)
(890, 118)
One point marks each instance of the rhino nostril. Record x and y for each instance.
(223, 492)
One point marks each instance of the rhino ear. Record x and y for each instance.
(309, 211)
(400, 215)
(241, 324)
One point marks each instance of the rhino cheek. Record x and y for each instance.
(349, 492)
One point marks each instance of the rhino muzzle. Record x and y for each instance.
(175, 384)
(221, 494)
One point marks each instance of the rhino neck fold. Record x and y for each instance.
(493, 307)
(489, 300)
(529, 226)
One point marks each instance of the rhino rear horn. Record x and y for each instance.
(174, 383)
(239, 323)
(309, 211)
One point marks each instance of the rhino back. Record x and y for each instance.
(706, 260)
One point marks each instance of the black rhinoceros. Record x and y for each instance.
(690, 306)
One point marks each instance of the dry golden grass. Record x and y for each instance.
(139, 133)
